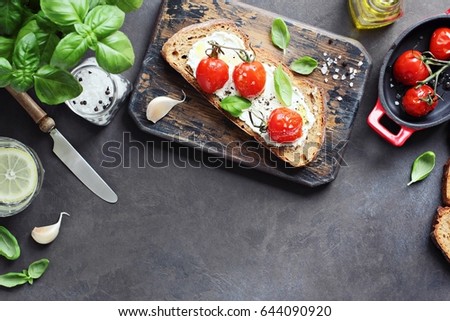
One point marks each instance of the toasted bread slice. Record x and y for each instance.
(446, 184)
(175, 51)
(441, 231)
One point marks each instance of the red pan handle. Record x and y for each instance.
(395, 139)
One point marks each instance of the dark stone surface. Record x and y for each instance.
(203, 233)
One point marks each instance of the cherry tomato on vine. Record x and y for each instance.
(250, 79)
(212, 74)
(419, 101)
(440, 43)
(284, 125)
(409, 68)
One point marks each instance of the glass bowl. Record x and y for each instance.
(9, 207)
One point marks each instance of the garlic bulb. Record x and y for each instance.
(160, 106)
(46, 234)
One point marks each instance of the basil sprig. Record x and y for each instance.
(9, 247)
(304, 65)
(280, 34)
(35, 271)
(283, 86)
(38, 49)
(235, 105)
(422, 167)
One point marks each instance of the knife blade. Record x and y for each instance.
(64, 150)
(78, 165)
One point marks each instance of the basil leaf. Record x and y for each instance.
(9, 247)
(5, 74)
(26, 53)
(69, 51)
(65, 12)
(105, 20)
(86, 33)
(304, 65)
(280, 34)
(37, 269)
(47, 41)
(127, 5)
(22, 80)
(283, 86)
(422, 167)
(11, 15)
(48, 48)
(6, 47)
(235, 105)
(115, 53)
(12, 279)
(54, 86)
(45, 23)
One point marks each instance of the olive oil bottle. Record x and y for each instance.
(369, 14)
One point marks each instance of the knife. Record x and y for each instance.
(64, 150)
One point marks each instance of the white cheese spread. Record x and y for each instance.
(262, 105)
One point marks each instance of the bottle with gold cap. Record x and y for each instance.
(369, 14)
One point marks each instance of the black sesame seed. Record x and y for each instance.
(96, 108)
(100, 102)
(80, 79)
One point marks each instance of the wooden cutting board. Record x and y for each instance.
(343, 70)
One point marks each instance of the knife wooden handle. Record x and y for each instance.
(40, 117)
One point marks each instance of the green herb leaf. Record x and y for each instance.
(280, 34)
(10, 17)
(37, 269)
(49, 48)
(45, 23)
(47, 41)
(304, 65)
(5, 72)
(9, 247)
(283, 86)
(235, 105)
(26, 54)
(115, 53)
(422, 167)
(65, 12)
(127, 5)
(12, 279)
(54, 86)
(22, 80)
(105, 20)
(6, 47)
(69, 51)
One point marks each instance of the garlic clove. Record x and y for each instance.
(47, 234)
(160, 106)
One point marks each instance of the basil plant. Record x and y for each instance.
(41, 40)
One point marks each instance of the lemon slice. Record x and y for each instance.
(18, 175)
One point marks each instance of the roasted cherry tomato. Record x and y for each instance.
(419, 101)
(249, 79)
(409, 68)
(440, 43)
(212, 74)
(284, 125)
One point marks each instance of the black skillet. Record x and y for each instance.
(390, 92)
